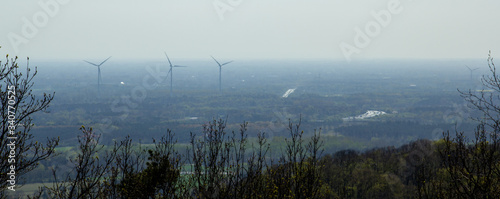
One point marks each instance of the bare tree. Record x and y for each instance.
(487, 101)
(222, 167)
(86, 180)
(130, 160)
(472, 165)
(212, 161)
(298, 172)
(19, 152)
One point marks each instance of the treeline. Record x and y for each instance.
(218, 164)
(221, 164)
(453, 167)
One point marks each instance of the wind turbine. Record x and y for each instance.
(471, 70)
(99, 80)
(220, 72)
(170, 71)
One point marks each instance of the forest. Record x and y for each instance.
(223, 164)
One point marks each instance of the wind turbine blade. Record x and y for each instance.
(215, 60)
(105, 60)
(468, 67)
(179, 66)
(90, 63)
(168, 59)
(226, 63)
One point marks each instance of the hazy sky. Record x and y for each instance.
(250, 29)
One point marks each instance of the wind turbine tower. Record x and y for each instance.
(220, 72)
(99, 80)
(171, 71)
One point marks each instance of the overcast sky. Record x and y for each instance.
(250, 29)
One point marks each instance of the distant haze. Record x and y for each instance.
(248, 29)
